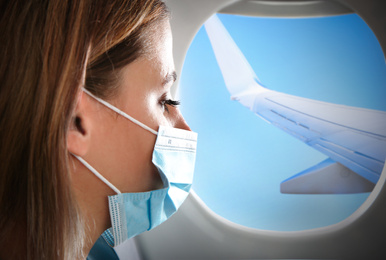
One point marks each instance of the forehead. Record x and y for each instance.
(156, 65)
(160, 41)
(160, 54)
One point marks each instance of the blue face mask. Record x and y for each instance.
(133, 213)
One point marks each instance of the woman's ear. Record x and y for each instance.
(78, 135)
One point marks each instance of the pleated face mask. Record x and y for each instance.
(174, 156)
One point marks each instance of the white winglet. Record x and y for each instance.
(237, 73)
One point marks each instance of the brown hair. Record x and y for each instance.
(43, 52)
(43, 49)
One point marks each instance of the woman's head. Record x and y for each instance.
(43, 60)
(138, 83)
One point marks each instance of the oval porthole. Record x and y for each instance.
(291, 118)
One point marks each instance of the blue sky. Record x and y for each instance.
(241, 159)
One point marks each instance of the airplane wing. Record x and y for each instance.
(353, 138)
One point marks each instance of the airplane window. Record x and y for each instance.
(291, 116)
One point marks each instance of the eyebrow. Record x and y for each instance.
(170, 77)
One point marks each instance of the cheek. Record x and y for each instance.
(155, 114)
(135, 170)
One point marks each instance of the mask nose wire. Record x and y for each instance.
(97, 174)
(135, 121)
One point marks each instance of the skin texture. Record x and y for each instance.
(118, 149)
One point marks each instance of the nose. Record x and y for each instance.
(179, 121)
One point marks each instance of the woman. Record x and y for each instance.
(62, 143)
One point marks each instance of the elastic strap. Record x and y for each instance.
(97, 174)
(135, 121)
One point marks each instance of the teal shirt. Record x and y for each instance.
(102, 251)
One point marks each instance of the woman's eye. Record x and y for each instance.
(169, 102)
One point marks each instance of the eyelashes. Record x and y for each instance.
(169, 102)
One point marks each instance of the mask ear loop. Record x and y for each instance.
(135, 121)
(97, 174)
